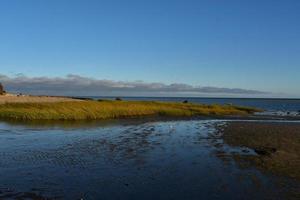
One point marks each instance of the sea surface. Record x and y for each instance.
(128, 160)
(270, 106)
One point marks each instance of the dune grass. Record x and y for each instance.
(92, 110)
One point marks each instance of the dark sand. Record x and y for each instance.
(277, 145)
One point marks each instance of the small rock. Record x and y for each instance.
(265, 151)
(245, 151)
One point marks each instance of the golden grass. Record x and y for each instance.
(90, 110)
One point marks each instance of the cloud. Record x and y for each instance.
(80, 86)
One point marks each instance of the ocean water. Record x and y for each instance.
(151, 160)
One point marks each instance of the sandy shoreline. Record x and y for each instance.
(11, 98)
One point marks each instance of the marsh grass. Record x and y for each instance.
(91, 110)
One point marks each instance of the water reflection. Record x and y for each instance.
(74, 124)
(153, 160)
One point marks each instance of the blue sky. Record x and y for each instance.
(248, 44)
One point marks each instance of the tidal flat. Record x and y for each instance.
(276, 144)
(177, 159)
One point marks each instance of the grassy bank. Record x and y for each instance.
(89, 110)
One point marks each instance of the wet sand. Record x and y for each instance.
(277, 145)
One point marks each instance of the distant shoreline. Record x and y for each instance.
(181, 97)
(149, 97)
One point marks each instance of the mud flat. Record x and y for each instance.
(277, 145)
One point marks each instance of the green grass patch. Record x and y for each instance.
(92, 110)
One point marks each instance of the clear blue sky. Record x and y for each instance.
(249, 44)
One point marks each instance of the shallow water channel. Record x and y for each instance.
(152, 160)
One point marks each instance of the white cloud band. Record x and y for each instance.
(80, 86)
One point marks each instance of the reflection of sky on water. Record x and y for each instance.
(170, 160)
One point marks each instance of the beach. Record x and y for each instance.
(13, 98)
(168, 150)
(149, 100)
